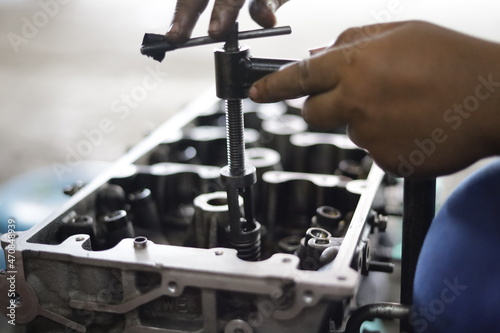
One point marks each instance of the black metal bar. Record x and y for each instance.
(259, 33)
(154, 43)
(377, 266)
(372, 311)
(257, 68)
(419, 208)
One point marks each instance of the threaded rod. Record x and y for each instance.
(235, 137)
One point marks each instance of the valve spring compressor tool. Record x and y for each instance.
(235, 71)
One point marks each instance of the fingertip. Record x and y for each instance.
(259, 91)
(224, 15)
(221, 24)
(266, 21)
(174, 29)
(173, 32)
(253, 93)
(261, 14)
(214, 29)
(176, 35)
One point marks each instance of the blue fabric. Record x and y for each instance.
(457, 284)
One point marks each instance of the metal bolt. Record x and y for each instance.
(74, 188)
(382, 223)
(140, 242)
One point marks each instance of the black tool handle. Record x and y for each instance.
(155, 45)
(259, 67)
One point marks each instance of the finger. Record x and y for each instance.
(186, 15)
(224, 15)
(364, 33)
(262, 11)
(324, 111)
(307, 77)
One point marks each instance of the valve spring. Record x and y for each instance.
(248, 250)
(235, 137)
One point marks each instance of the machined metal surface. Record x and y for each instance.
(183, 276)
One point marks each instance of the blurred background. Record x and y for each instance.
(65, 65)
(69, 68)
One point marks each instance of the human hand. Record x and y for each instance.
(422, 99)
(224, 15)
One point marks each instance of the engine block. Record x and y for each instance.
(142, 247)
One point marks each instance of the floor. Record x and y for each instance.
(74, 86)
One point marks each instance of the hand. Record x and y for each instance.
(224, 15)
(423, 100)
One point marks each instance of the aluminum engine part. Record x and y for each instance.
(169, 267)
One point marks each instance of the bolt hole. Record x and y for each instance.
(219, 253)
(217, 202)
(79, 239)
(140, 239)
(308, 297)
(172, 287)
(286, 260)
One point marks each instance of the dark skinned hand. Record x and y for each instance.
(224, 14)
(422, 99)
